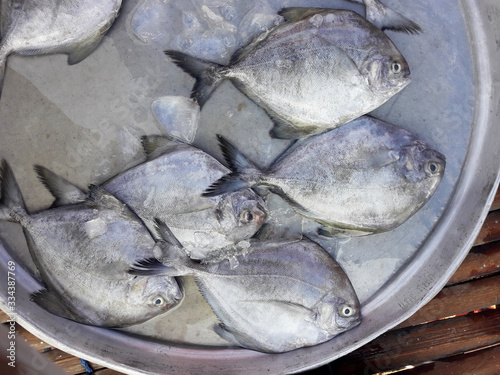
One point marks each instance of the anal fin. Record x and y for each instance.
(286, 130)
(54, 304)
(337, 232)
(293, 14)
(83, 50)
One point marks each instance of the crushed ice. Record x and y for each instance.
(179, 116)
(208, 29)
(96, 227)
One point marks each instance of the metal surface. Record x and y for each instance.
(415, 277)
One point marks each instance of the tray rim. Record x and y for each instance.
(213, 359)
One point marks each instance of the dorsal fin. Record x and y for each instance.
(156, 145)
(63, 191)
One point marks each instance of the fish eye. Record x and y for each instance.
(159, 301)
(247, 216)
(396, 67)
(346, 311)
(432, 167)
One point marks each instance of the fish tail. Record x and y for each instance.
(173, 258)
(12, 200)
(387, 19)
(150, 267)
(244, 173)
(207, 74)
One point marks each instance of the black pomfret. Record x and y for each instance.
(39, 27)
(281, 296)
(313, 73)
(365, 177)
(169, 186)
(83, 252)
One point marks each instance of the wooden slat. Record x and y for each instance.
(481, 362)
(480, 262)
(490, 231)
(32, 341)
(458, 299)
(67, 362)
(3, 317)
(429, 342)
(107, 371)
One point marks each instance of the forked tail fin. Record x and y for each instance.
(243, 175)
(207, 74)
(173, 258)
(387, 19)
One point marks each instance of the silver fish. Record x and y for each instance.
(39, 27)
(282, 296)
(83, 252)
(315, 72)
(365, 177)
(387, 19)
(169, 186)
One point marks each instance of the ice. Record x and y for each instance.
(96, 227)
(258, 19)
(179, 116)
(154, 22)
(207, 29)
(282, 221)
(206, 33)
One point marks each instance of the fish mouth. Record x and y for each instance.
(406, 80)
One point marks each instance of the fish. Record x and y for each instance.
(313, 73)
(386, 18)
(169, 186)
(365, 177)
(40, 27)
(281, 296)
(83, 252)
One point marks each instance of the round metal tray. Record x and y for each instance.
(84, 122)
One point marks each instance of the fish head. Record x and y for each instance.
(335, 315)
(154, 295)
(339, 309)
(241, 213)
(387, 74)
(419, 162)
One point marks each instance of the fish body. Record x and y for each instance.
(387, 19)
(315, 72)
(169, 186)
(365, 177)
(281, 296)
(83, 252)
(54, 26)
